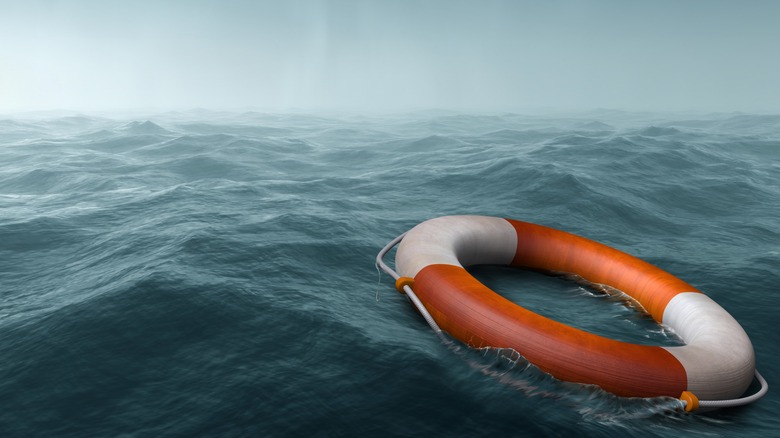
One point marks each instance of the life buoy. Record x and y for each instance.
(717, 361)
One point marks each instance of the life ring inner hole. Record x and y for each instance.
(571, 300)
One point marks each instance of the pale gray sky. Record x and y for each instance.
(390, 55)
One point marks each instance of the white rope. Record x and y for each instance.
(716, 404)
(381, 264)
(409, 292)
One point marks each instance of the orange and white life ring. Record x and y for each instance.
(717, 361)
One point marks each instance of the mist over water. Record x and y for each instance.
(211, 273)
(371, 55)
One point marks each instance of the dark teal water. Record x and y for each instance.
(212, 274)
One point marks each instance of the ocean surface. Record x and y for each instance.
(208, 273)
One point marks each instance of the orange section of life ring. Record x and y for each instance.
(474, 314)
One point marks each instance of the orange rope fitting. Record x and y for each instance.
(691, 401)
(403, 281)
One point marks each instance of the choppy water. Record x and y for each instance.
(206, 273)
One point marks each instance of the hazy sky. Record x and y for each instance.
(390, 55)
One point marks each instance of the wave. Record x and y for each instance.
(212, 273)
(144, 128)
(657, 131)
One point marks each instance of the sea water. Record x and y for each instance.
(208, 273)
